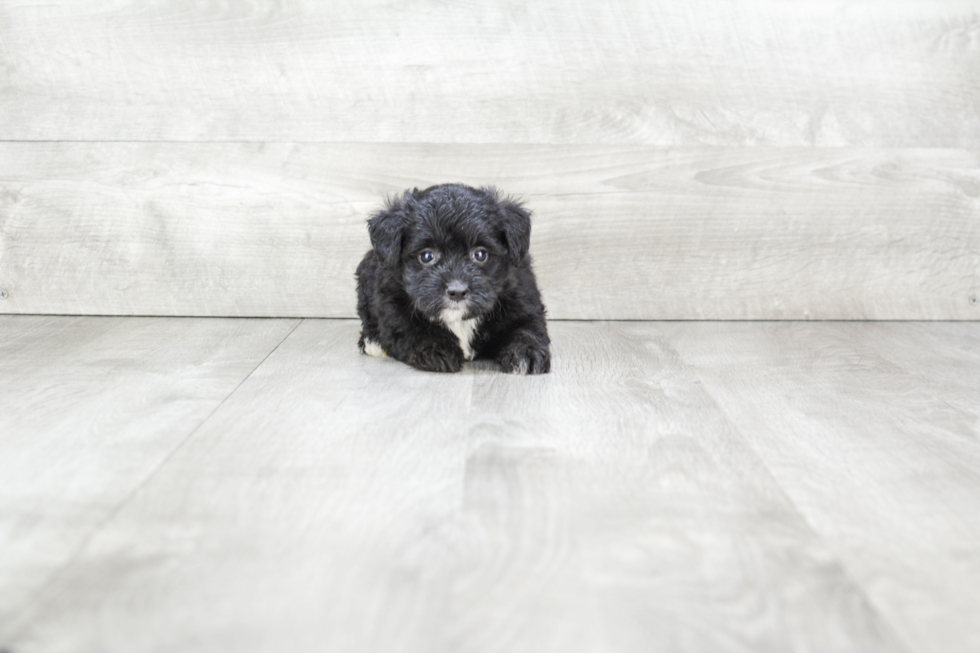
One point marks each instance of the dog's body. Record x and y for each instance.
(449, 279)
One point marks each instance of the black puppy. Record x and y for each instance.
(449, 279)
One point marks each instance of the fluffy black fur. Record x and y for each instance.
(450, 253)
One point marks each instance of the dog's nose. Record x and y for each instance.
(457, 291)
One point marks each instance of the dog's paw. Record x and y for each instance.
(433, 357)
(525, 359)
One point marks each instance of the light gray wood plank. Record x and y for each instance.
(808, 72)
(297, 523)
(89, 409)
(626, 232)
(944, 357)
(868, 429)
(341, 502)
(613, 507)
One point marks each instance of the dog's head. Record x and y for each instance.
(455, 248)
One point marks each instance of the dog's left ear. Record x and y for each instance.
(386, 228)
(517, 229)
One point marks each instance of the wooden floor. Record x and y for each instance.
(191, 485)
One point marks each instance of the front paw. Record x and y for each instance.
(521, 358)
(436, 357)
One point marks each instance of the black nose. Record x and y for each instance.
(457, 291)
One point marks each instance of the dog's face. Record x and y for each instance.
(453, 247)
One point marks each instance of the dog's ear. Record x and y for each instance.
(517, 229)
(386, 228)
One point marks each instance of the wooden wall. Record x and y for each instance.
(685, 160)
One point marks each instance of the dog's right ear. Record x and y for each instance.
(386, 228)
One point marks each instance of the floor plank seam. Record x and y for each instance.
(858, 587)
(24, 614)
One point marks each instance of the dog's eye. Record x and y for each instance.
(480, 255)
(428, 257)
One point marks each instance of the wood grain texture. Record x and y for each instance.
(624, 232)
(89, 409)
(711, 72)
(874, 433)
(608, 508)
(340, 502)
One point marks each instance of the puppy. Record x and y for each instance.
(449, 279)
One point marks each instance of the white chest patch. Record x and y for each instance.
(464, 330)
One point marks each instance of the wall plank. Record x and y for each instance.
(621, 232)
(808, 72)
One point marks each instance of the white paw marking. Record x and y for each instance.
(521, 367)
(464, 330)
(371, 348)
